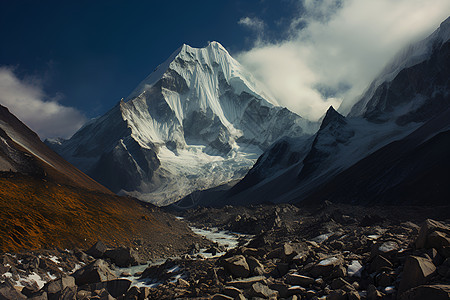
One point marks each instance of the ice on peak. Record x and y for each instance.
(215, 46)
(202, 67)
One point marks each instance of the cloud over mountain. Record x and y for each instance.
(335, 48)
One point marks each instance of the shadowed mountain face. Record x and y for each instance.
(45, 202)
(391, 148)
(410, 171)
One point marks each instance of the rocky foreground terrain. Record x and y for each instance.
(326, 252)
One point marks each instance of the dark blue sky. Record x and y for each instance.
(92, 53)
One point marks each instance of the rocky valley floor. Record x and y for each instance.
(324, 252)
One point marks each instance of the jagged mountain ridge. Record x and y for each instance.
(409, 171)
(411, 91)
(198, 121)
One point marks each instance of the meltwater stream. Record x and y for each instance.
(227, 239)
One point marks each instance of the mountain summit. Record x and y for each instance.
(198, 121)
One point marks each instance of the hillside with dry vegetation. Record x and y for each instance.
(47, 203)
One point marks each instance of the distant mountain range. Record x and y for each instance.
(198, 121)
(392, 147)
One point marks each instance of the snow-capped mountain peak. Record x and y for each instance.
(198, 120)
(188, 62)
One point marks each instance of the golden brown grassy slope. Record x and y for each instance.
(36, 213)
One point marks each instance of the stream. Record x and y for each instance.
(227, 239)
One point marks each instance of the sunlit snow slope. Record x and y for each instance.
(198, 121)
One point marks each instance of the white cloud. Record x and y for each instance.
(253, 23)
(342, 47)
(29, 103)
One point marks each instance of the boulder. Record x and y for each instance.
(355, 269)
(55, 288)
(288, 251)
(417, 271)
(373, 293)
(81, 256)
(40, 295)
(69, 293)
(116, 288)
(49, 266)
(300, 258)
(261, 290)
(7, 291)
(82, 294)
(247, 283)
(339, 271)
(422, 292)
(30, 289)
(133, 293)
(295, 290)
(285, 252)
(256, 268)
(237, 266)
(96, 271)
(437, 240)
(102, 294)
(326, 266)
(435, 257)
(97, 250)
(340, 283)
(385, 249)
(384, 279)
(232, 291)
(123, 256)
(281, 288)
(301, 280)
(428, 227)
(379, 263)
